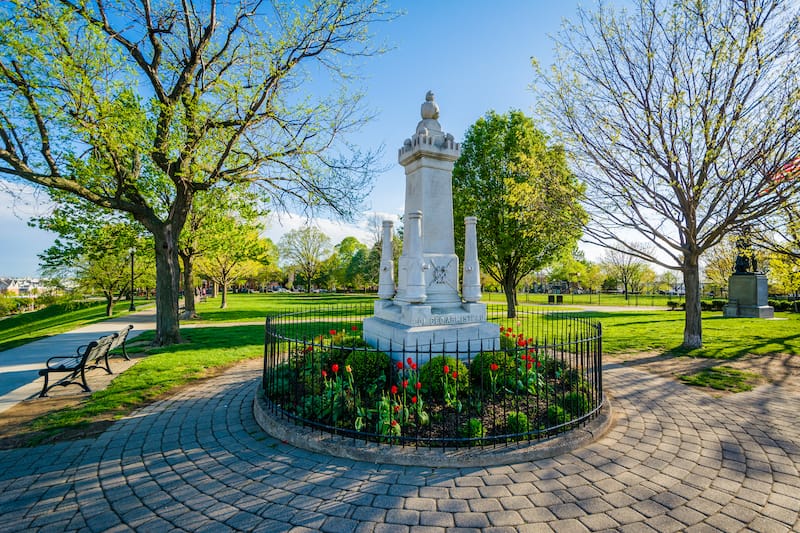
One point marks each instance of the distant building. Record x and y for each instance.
(23, 286)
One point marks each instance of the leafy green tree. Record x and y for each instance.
(94, 248)
(678, 116)
(784, 273)
(306, 249)
(524, 195)
(593, 278)
(139, 106)
(233, 252)
(344, 254)
(208, 219)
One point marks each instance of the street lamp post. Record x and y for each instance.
(132, 251)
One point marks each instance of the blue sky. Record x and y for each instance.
(475, 56)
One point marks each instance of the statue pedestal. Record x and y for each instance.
(402, 329)
(747, 296)
(426, 313)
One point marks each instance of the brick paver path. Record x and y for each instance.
(676, 460)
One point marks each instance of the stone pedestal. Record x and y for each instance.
(399, 328)
(747, 296)
(427, 312)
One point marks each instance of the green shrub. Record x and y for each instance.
(576, 403)
(718, 304)
(557, 415)
(431, 375)
(473, 429)
(369, 366)
(343, 347)
(481, 366)
(517, 422)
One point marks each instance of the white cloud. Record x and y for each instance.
(277, 226)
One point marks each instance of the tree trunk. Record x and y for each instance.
(693, 326)
(189, 310)
(224, 288)
(511, 297)
(109, 303)
(167, 287)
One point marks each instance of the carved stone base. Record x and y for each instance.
(404, 329)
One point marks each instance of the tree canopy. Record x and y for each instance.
(306, 249)
(139, 106)
(678, 117)
(524, 195)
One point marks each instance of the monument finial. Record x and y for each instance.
(429, 109)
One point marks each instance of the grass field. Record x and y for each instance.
(27, 327)
(208, 350)
(615, 300)
(255, 307)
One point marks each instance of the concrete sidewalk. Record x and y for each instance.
(19, 367)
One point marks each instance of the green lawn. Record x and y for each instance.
(256, 307)
(27, 327)
(616, 300)
(207, 350)
(723, 338)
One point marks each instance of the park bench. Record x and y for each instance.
(119, 341)
(93, 355)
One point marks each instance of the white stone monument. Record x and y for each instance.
(427, 311)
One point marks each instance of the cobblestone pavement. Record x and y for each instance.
(676, 460)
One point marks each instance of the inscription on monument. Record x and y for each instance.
(449, 319)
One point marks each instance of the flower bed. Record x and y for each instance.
(544, 380)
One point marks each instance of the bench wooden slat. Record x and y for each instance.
(76, 366)
(119, 341)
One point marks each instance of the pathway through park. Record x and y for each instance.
(676, 459)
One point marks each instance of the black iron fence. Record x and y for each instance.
(544, 379)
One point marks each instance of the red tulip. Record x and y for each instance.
(413, 366)
(410, 361)
(446, 369)
(405, 383)
(396, 408)
(455, 374)
(399, 365)
(394, 389)
(418, 385)
(494, 367)
(324, 374)
(335, 368)
(332, 332)
(413, 399)
(353, 328)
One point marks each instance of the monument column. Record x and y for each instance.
(386, 276)
(471, 290)
(428, 158)
(427, 312)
